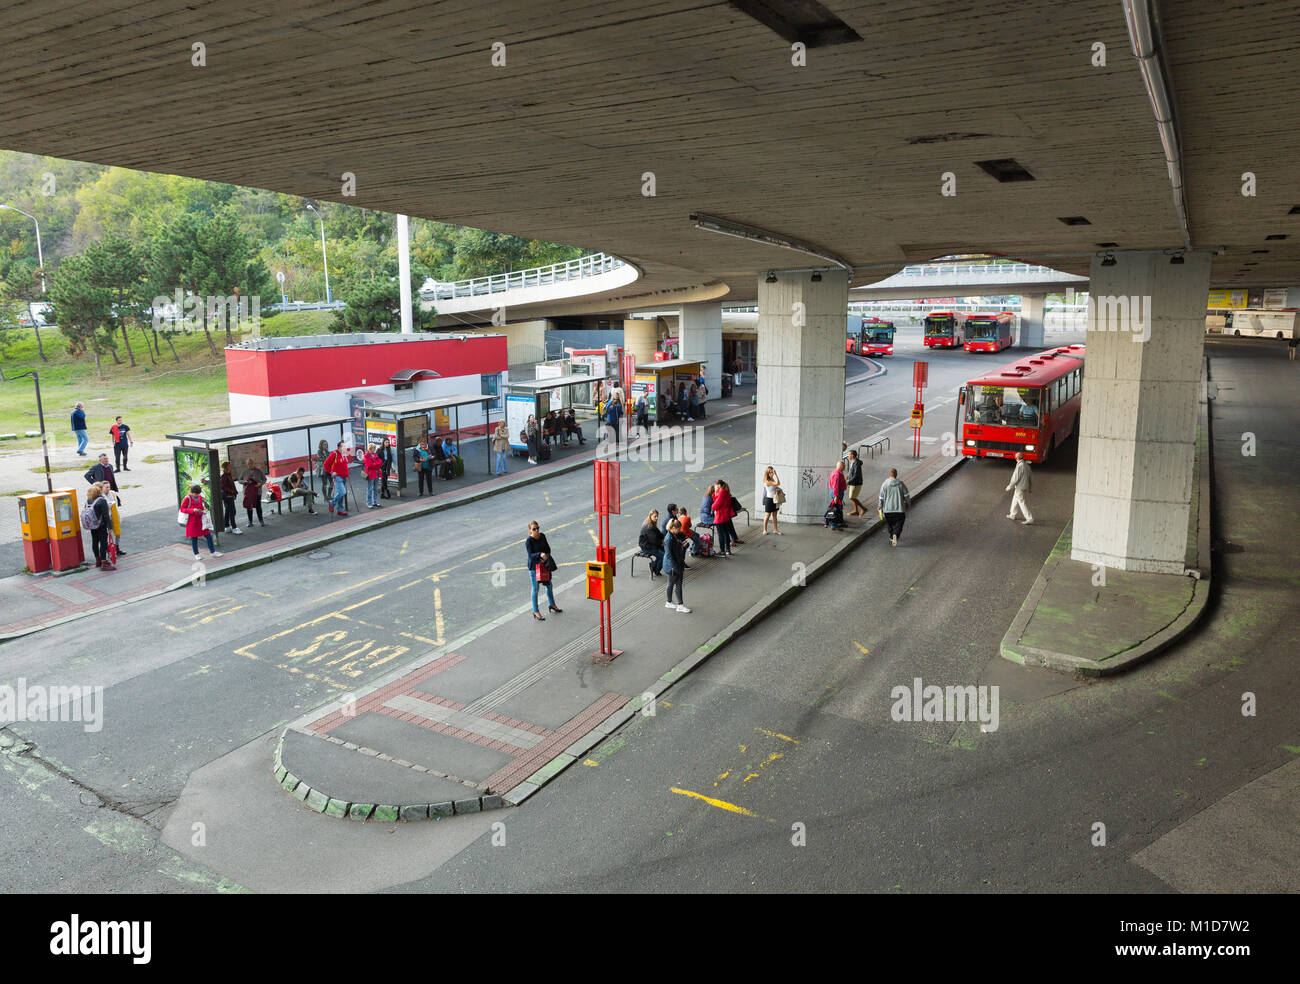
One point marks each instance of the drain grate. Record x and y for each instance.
(319, 555)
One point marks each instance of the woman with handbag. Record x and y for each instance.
(197, 522)
(540, 566)
(773, 499)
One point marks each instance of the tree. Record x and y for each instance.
(226, 263)
(117, 265)
(83, 309)
(172, 267)
(375, 305)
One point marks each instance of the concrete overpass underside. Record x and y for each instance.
(608, 123)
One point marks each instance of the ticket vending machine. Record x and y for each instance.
(36, 532)
(66, 549)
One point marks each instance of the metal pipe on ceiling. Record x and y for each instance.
(1144, 36)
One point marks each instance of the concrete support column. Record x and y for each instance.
(701, 334)
(1032, 310)
(641, 338)
(1137, 427)
(800, 422)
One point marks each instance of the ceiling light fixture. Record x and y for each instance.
(771, 277)
(738, 230)
(1108, 260)
(817, 278)
(1176, 260)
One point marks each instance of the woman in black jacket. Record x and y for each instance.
(539, 552)
(651, 542)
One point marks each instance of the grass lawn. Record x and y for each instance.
(154, 400)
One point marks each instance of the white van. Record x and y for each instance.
(1261, 323)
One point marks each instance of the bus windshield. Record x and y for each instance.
(1002, 405)
(882, 335)
(938, 326)
(981, 328)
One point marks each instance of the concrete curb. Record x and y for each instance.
(364, 525)
(1155, 644)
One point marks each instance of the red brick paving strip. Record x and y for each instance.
(374, 701)
(521, 768)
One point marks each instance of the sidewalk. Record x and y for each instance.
(31, 603)
(488, 719)
(1071, 624)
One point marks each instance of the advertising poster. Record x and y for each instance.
(197, 466)
(645, 384)
(518, 408)
(239, 456)
(379, 432)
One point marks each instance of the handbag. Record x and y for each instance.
(778, 495)
(182, 517)
(550, 563)
(207, 521)
(543, 575)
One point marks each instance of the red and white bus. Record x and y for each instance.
(1030, 405)
(989, 332)
(943, 329)
(874, 337)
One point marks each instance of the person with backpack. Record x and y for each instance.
(834, 518)
(722, 513)
(1021, 484)
(892, 504)
(79, 428)
(373, 467)
(337, 465)
(196, 523)
(102, 472)
(614, 412)
(675, 565)
(228, 493)
(97, 516)
(539, 555)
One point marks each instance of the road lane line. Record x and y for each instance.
(720, 804)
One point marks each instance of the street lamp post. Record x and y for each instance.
(40, 256)
(40, 416)
(329, 298)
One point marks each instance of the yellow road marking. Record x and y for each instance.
(591, 762)
(437, 615)
(861, 648)
(360, 603)
(720, 804)
(723, 440)
(405, 543)
(752, 775)
(362, 584)
(594, 538)
(263, 594)
(777, 734)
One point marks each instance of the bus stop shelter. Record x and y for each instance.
(658, 381)
(526, 397)
(197, 458)
(406, 423)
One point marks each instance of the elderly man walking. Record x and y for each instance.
(1022, 483)
(893, 504)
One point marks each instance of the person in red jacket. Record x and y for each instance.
(337, 465)
(722, 513)
(374, 468)
(192, 506)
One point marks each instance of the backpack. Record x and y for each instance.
(89, 518)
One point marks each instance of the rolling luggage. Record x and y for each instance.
(834, 517)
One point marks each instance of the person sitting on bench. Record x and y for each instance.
(550, 429)
(571, 427)
(441, 467)
(295, 484)
(451, 452)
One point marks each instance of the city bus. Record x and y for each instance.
(989, 332)
(1265, 323)
(943, 329)
(1030, 405)
(874, 337)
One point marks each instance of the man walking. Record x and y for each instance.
(893, 503)
(1022, 483)
(79, 428)
(122, 442)
(103, 472)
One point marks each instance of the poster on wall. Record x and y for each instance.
(1275, 298)
(646, 384)
(197, 466)
(379, 432)
(241, 454)
(519, 406)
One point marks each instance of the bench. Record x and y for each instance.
(632, 566)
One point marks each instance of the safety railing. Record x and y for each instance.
(584, 266)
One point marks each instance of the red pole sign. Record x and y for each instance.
(607, 495)
(920, 376)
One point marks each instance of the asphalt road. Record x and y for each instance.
(790, 723)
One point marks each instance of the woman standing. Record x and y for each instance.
(98, 501)
(228, 493)
(675, 565)
(326, 479)
(531, 435)
(385, 467)
(651, 542)
(771, 486)
(253, 480)
(501, 445)
(722, 514)
(373, 467)
(539, 552)
(193, 507)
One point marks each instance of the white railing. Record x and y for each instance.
(583, 266)
(947, 272)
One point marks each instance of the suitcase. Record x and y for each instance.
(543, 452)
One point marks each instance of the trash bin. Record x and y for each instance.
(727, 384)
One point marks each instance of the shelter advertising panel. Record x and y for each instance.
(246, 453)
(646, 384)
(198, 466)
(518, 408)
